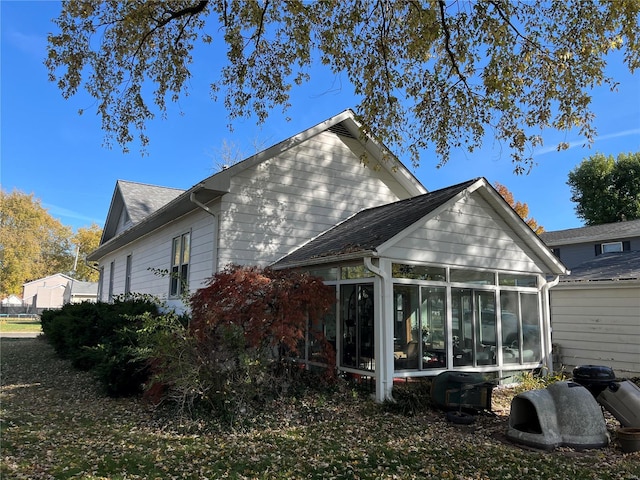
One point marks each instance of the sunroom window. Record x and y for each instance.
(419, 327)
(520, 327)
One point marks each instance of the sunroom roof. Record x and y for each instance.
(370, 228)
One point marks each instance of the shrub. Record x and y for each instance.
(242, 346)
(102, 337)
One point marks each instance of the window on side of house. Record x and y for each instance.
(611, 247)
(180, 253)
(100, 281)
(127, 276)
(112, 268)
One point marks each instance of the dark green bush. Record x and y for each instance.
(102, 338)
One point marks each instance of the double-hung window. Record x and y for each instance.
(180, 264)
(127, 276)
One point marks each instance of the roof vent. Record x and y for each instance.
(341, 130)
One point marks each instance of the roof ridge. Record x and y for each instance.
(144, 184)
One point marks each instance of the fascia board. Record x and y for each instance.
(503, 209)
(519, 226)
(385, 157)
(344, 257)
(596, 284)
(281, 147)
(392, 164)
(111, 222)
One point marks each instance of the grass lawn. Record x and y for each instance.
(55, 424)
(15, 324)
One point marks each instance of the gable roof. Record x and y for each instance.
(607, 231)
(141, 199)
(370, 231)
(361, 233)
(343, 124)
(57, 278)
(138, 201)
(618, 266)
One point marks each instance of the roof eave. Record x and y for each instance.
(175, 209)
(531, 239)
(338, 258)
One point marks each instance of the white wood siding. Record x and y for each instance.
(154, 252)
(467, 234)
(283, 202)
(598, 324)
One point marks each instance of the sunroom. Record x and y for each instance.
(449, 280)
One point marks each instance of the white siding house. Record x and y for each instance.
(595, 314)
(425, 282)
(45, 293)
(253, 212)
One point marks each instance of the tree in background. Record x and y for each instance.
(606, 190)
(85, 240)
(33, 244)
(428, 74)
(522, 209)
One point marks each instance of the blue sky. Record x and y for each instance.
(49, 150)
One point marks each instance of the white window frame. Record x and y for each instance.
(612, 247)
(127, 275)
(112, 269)
(179, 270)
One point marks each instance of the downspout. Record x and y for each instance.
(384, 384)
(214, 247)
(548, 358)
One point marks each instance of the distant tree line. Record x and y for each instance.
(33, 244)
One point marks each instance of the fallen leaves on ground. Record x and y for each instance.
(55, 424)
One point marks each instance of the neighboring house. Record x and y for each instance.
(578, 245)
(425, 282)
(12, 305)
(45, 293)
(78, 291)
(595, 313)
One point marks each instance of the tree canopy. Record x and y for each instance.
(428, 74)
(606, 190)
(33, 244)
(86, 240)
(522, 209)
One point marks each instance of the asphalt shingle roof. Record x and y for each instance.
(616, 230)
(609, 266)
(370, 228)
(141, 200)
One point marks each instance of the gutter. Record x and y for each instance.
(345, 257)
(195, 201)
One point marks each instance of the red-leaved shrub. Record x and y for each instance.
(272, 308)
